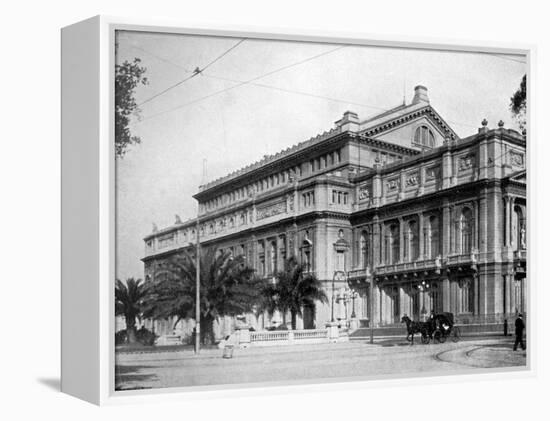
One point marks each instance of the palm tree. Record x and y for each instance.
(129, 298)
(227, 288)
(294, 289)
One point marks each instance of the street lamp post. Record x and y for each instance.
(353, 297)
(332, 300)
(338, 276)
(198, 297)
(371, 302)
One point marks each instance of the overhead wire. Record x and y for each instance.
(194, 73)
(242, 83)
(266, 86)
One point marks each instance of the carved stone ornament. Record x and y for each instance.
(412, 179)
(291, 202)
(271, 210)
(432, 172)
(466, 162)
(393, 184)
(516, 159)
(364, 193)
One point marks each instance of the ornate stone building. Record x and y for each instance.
(395, 214)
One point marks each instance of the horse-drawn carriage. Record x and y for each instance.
(438, 328)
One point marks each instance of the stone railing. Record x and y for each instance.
(416, 265)
(458, 259)
(244, 338)
(358, 273)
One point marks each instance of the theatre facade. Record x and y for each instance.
(395, 215)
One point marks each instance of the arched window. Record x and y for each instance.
(465, 231)
(364, 250)
(273, 256)
(465, 296)
(392, 244)
(411, 241)
(433, 237)
(435, 297)
(518, 229)
(261, 257)
(423, 136)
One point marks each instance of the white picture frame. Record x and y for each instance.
(88, 205)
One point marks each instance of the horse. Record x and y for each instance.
(413, 327)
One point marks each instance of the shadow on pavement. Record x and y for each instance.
(126, 375)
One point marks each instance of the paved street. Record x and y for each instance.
(305, 362)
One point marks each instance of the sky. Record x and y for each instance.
(296, 90)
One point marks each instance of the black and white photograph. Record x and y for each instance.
(293, 211)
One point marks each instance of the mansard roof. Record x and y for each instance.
(369, 128)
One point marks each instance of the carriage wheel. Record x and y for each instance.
(455, 334)
(424, 338)
(439, 337)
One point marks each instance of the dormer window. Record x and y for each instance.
(424, 137)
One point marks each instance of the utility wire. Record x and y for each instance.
(262, 85)
(242, 83)
(194, 73)
(259, 84)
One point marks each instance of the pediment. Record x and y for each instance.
(519, 177)
(405, 117)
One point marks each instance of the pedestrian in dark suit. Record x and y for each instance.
(520, 326)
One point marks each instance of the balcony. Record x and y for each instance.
(415, 266)
(359, 273)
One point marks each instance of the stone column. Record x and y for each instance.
(479, 293)
(421, 254)
(513, 298)
(401, 239)
(403, 303)
(376, 244)
(506, 221)
(383, 306)
(447, 169)
(510, 221)
(446, 294)
(476, 226)
(483, 222)
(446, 225)
(375, 302)
(422, 181)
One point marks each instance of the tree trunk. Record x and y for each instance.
(293, 319)
(207, 330)
(131, 330)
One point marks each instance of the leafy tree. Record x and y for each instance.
(518, 103)
(129, 300)
(293, 290)
(127, 77)
(227, 288)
